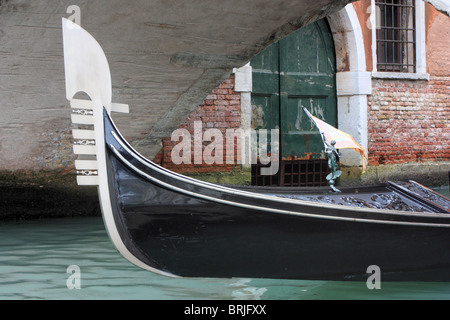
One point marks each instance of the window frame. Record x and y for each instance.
(420, 54)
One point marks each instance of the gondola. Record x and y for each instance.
(177, 226)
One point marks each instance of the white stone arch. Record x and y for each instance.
(353, 81)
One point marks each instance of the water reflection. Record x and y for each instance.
(34, 257)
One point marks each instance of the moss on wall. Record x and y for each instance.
(240, 177)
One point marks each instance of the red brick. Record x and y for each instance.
(410, 118)
(221, 110)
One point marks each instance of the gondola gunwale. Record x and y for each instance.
(131, 152)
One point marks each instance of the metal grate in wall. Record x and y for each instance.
(294, 173)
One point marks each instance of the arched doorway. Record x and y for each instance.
(299, 70)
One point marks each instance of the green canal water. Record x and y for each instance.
(35, 256)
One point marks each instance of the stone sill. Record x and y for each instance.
(400, 76)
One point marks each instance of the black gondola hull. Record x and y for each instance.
(193, 231)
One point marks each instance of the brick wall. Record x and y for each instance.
(409, 121)
(220, 110)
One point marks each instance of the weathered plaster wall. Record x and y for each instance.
(438, 45)
(362, 9)
(441, 5)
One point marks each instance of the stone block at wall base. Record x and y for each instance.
(426, 173)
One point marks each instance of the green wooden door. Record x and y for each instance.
(266, 89)
(308, 78)
(298, 70)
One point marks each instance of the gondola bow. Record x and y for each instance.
(177, 226)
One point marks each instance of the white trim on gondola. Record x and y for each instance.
(84, 150)
(87, 105)
(215, 187)
(79, 134)
(262, 197)
(86, 164)
(82, 119)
